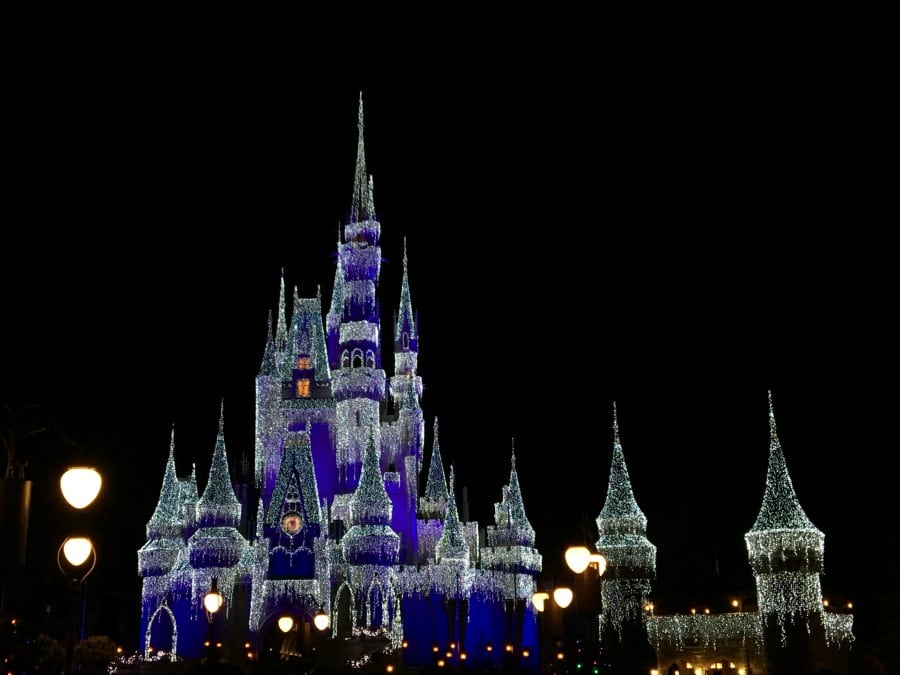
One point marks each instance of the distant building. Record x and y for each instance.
(788, 629)
(333, 518)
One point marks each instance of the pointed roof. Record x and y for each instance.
(307, 338)
(436, 483)
(218, 505)
(620, 513)
(370, 503)
(281, 330)
(405, 319)
(268, 366)
(780, 507)
(166, 518)
(515, 504)
(295, 484)
(362, 207)
(452, 545)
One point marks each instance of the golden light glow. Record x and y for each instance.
(735, 603)
(285, 623)
(538, 600)
(849, 605)
(578, 558)
(824, 602)
(213, 601)
(77, 550)
(563, 596)
(599, 561)
(80, 485)
(321, 620)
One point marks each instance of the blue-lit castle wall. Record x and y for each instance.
(339, 512)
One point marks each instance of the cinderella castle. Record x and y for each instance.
(330, 519)
(334, 519)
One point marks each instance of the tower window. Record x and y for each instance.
(358, 418)
(357, 358)
(303, 388)
(345, 360)
(304, 363)
(370, 359)
(405, 341)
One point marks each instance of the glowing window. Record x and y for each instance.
(303, 363)
(303, 388)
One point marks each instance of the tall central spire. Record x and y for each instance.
(363, 207)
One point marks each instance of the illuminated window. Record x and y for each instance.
(303, 363)
(303, 388)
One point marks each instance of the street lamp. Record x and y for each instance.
(212, 603)
(77, 556)
(80, 485)
(321, 620)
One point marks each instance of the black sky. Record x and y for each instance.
(675, 211)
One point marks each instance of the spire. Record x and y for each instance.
(281, 330)
(218, 506)
(620, 513)
(452, 545)
(405, 320)
(166, 518)
(370, 504)
(268, 367)
(362, 207)
(436, 494)
(516, 506)
(780, 507)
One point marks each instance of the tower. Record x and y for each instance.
(630, 567)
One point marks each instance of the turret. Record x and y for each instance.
(630, 557)
(164, 530)
(370, 539)
(217, 542)
(785, 549)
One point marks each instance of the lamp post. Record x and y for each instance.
(587, 567)
(212, 603)
(77, 556)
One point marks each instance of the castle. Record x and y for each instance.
(332, 521)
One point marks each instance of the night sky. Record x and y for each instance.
(675, 212)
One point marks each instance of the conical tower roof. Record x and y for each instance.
(434, 503)
(218, 505)
(370, 503)
(621, 514)
(780, 507)
(452, 545)
(166, 518)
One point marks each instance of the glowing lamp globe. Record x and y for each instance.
(538, 600)
(77, 550)
(213, 600)
(563, 596)
(578, 558)
(600, 561)
(285, 623)
(321, 620)
(80, 485)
